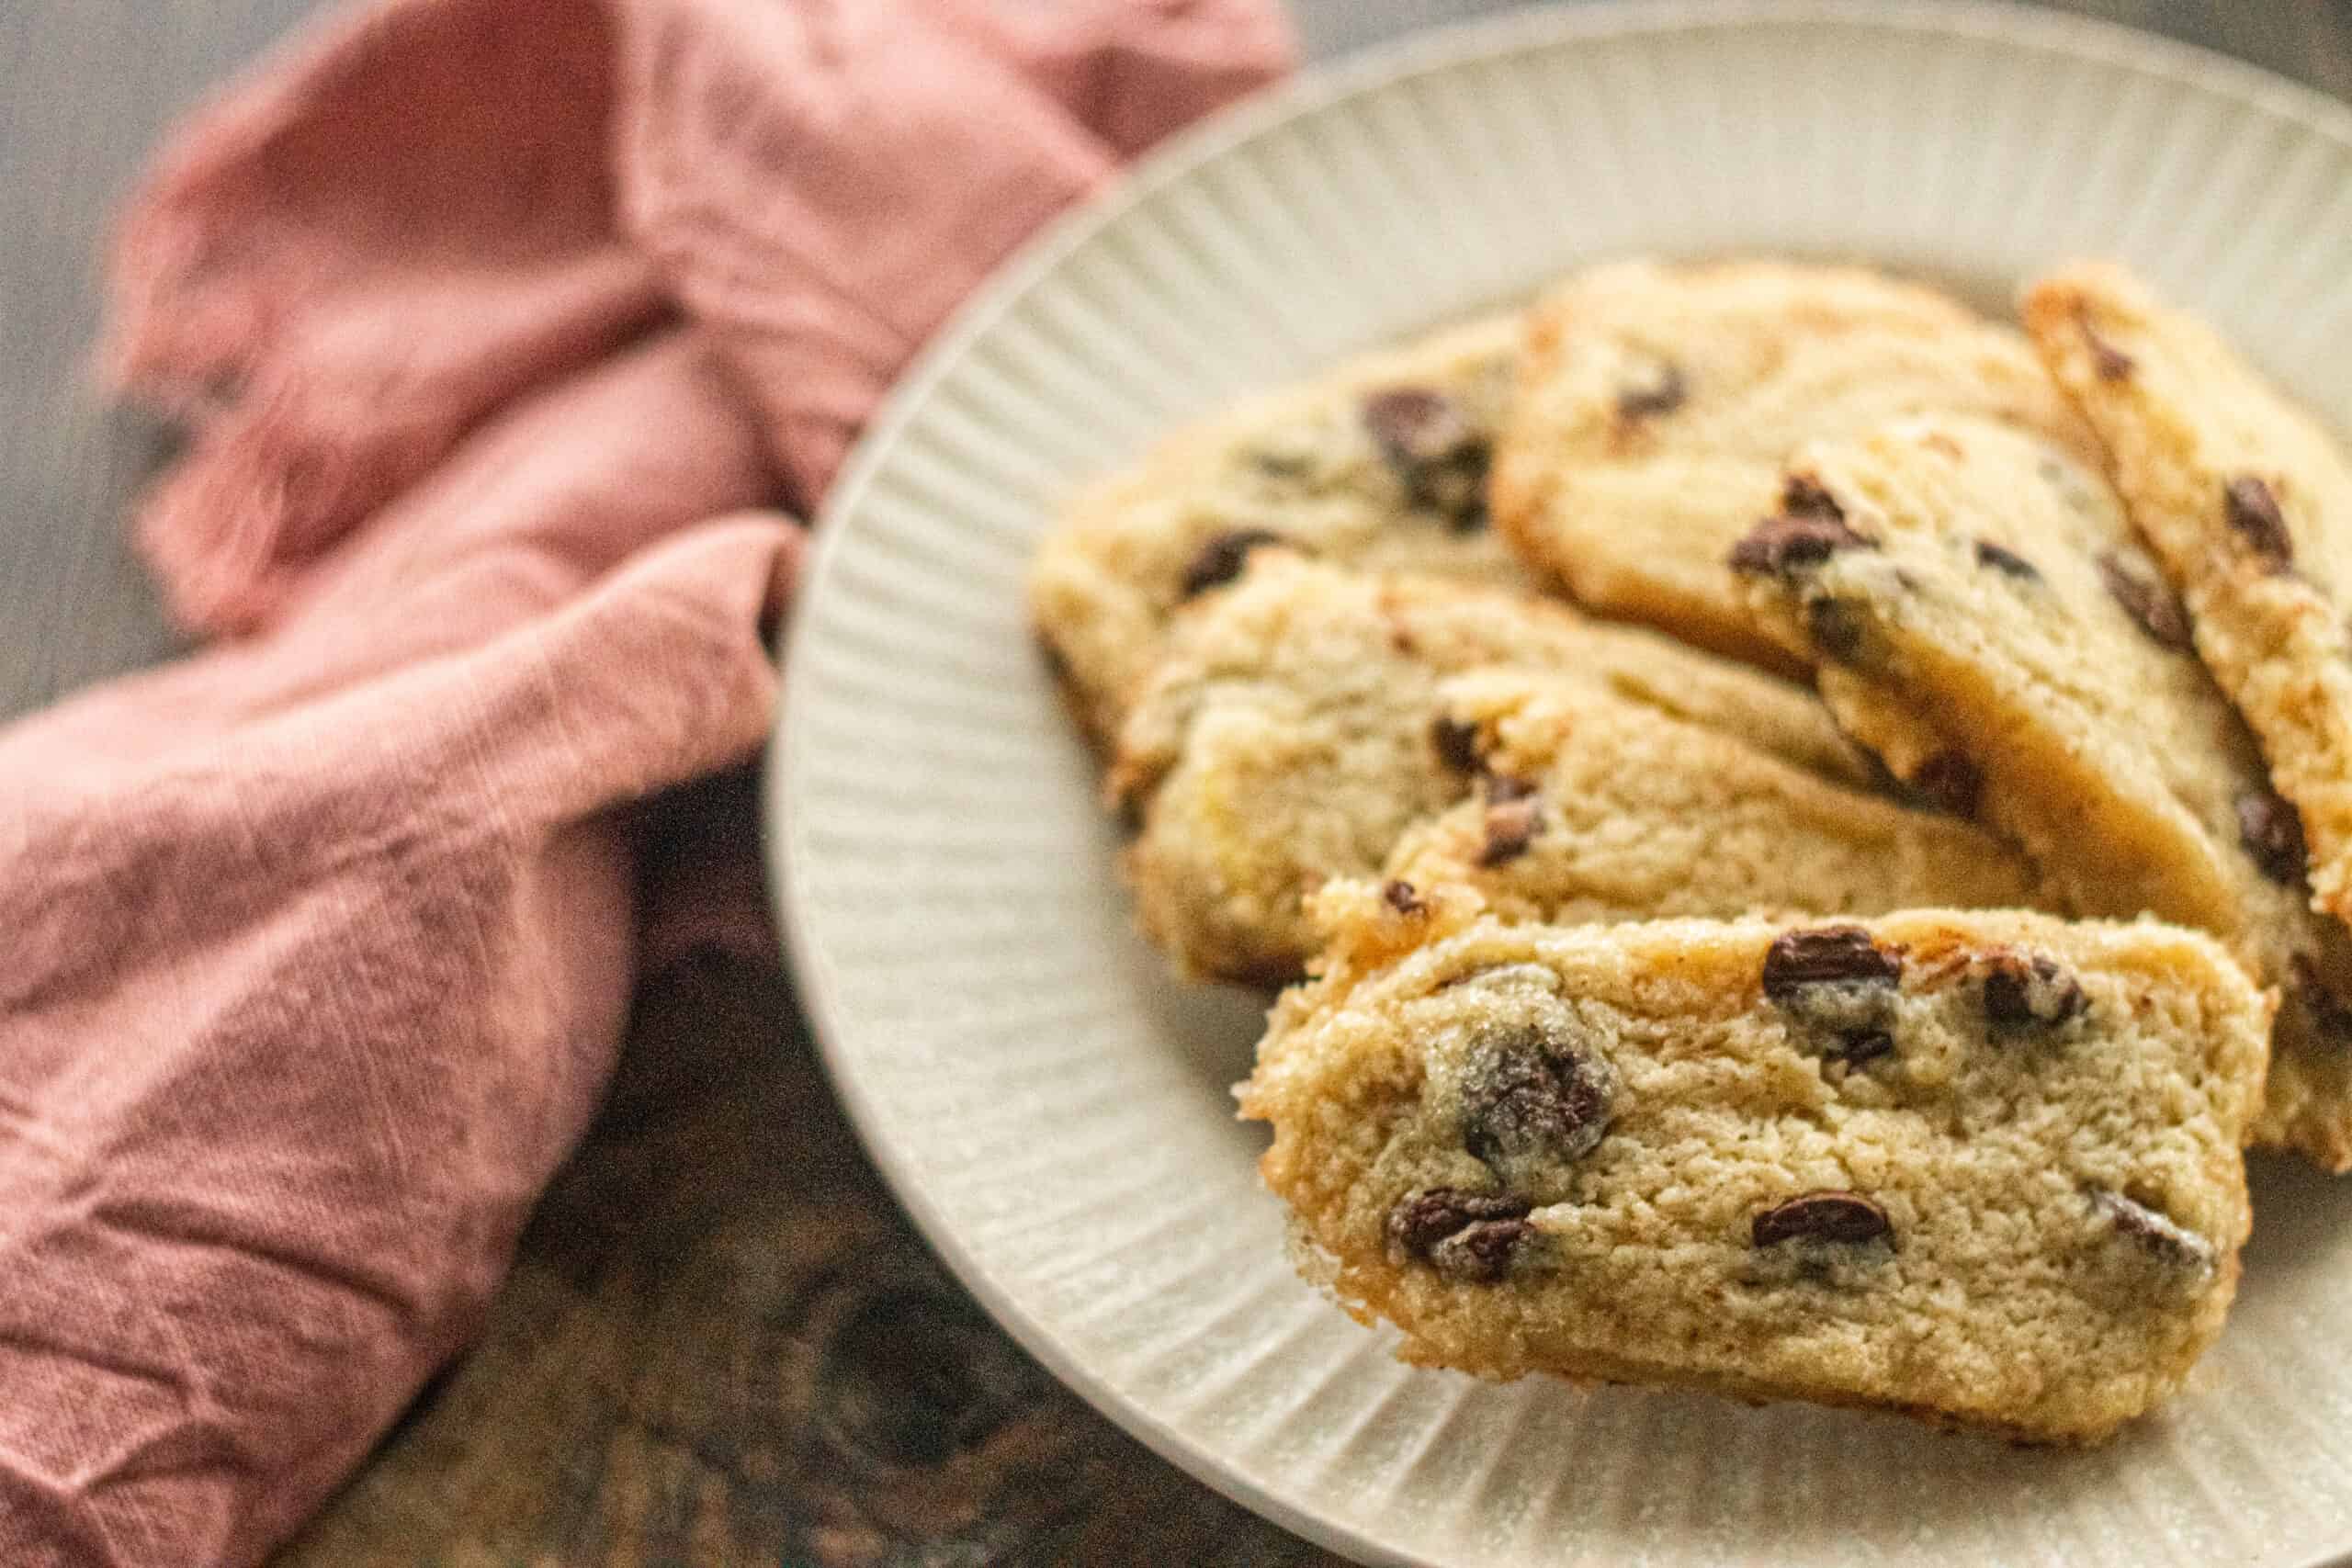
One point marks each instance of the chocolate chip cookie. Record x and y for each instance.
(2247, 501)
(1979, 1168)
(1294, 732)
(1967, 582)
(1657, 405)
(1379, 464)
(1591, 809)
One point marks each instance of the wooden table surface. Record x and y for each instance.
(721, 1344)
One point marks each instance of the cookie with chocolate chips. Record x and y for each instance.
(1379, 464)
(2001, 629)
(2246, 500)
(1294, 732)
(1617, 1152)
(1657, 404)
(1589, 809)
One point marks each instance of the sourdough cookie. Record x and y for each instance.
(1379, 464)
(1979, 1168)
(2248, 503)
(1657, 405)
(1592, 809)
(1968, 583)
(1292, 734)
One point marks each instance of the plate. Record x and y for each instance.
(1055, 1111)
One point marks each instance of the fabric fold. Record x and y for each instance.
(507, 333)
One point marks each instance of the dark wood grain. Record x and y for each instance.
(722, 1343)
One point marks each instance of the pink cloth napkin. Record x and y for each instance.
(496, 323)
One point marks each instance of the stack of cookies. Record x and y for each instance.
(1808, 829)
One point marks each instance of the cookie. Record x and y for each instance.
(1980, 1169)
(1381, 464)
(1592, 809)
(1968, 583)
(1657, 405)
(2247, 501)
(1291, 735)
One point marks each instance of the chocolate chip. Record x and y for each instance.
(2330, 1014)
(1480, 1254)
(1835, 628)
(2272, 833)
(1471, 1235)
(1282, 465)
(1456, 743)
(1779, 547)
(1826, 955)
(1804, 496)
(2149, 602)
(2157, 1234)
(1951, 782)
(1505, 787)
(1662, 394)
(2253, 510)
(1833, 1216)
(1405, 899)
(1839, 985)
(1434, 447)
(2006, 561)
(1420, 424)
(1222, 558)
(1857, 1046)
(2111, 363)
(1511, 825)
(1531, 1095)
(2028, 993)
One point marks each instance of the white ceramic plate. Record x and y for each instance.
(1054, 1110)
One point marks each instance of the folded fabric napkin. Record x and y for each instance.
(493, 322)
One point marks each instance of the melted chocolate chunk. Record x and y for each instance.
(1435, 447)
(1662, 394)
(1464, 1236)
(2006, 561)
(1842, 1218)
(1511, 825)
(1794, 542)
(2330, 1015)
(2147, 601)
(1826, 955)
(1952, 781)
(2026, 993)
(2272, 832)
(1456, 743)
(2253, 510)
(1405, 899)
(2107, 362)
(1804, 496)
(1858, 1046)
(1532, 1095)
(1223, 558)
(1835, 626)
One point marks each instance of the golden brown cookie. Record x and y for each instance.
(1379, 464)
(1592, 809)
(1291, 735)
(1970, 583)
(1979, 1168)
(1657, 405)
(2247, 501)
